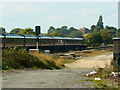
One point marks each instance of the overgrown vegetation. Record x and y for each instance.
(20, 58)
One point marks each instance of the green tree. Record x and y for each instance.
(111, 30)
(22, 31)
(29, 31)
(71, 29)
(97, 39)
(44, 34)
(63, 30)
(97, 29)
(2, 30)
(94, 39)
(92, 28)
(107, 39)
(51, 29)
(15, 31)
(76, 33)
(118, 33)
(89, 39)
(55, 33)
(100, 23)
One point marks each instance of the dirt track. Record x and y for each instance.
(64, 78)
(93, 62)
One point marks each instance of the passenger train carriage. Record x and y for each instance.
(15, 40)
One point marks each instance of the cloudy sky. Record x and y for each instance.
(46, 14)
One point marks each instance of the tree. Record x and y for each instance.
(22, 31)
(97, 29)
(15, 31)
(51, 29)
(29, 31)
(92, 28)
(63, 30)
(100, 23)
(55, 33)
(89, 39)
(71, 29)
(107, 39)
(112, 30)
(44, 34)
(97, 39)
(2, 30)
(118, 33)
(76, 33)
(94, 39)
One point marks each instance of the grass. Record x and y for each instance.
(15, 58)
(53, 58)
(20, 58)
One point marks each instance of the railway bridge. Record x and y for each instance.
(44, 42)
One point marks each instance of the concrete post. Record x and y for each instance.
(116, 51)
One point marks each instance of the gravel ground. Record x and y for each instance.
(63, 78)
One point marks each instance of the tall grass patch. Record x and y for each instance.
(14, 58)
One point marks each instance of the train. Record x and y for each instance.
(17, 40)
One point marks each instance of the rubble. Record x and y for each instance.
(91, 73)
(97, 79)
(115, 73)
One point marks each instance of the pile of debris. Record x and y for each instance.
(67, 55)
(112, 74)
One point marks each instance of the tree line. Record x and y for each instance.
(100, 34)
(27, 31)
(64, 31)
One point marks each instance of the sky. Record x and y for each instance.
(56, 14)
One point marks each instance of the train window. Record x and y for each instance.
(59, 42)
(46, 42)
(77, 42)
(31, 41)
(68, 42)
(14, 42)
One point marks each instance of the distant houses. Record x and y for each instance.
(84, 30)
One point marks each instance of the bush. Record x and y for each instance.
(14, 58)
